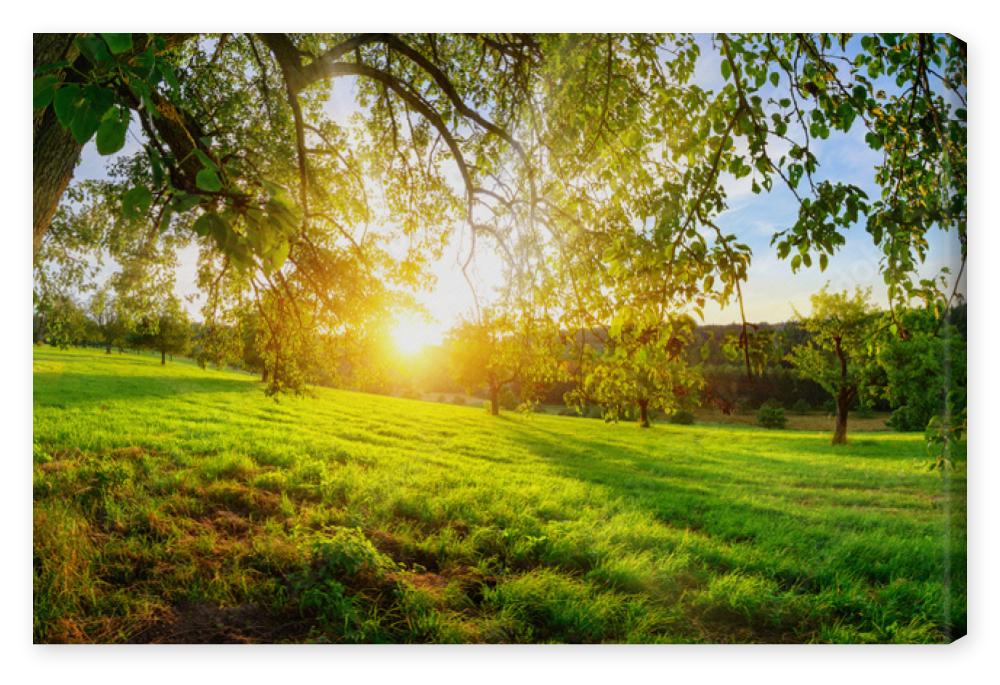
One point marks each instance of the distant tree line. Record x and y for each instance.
(102, 322)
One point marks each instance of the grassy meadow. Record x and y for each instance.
(176, 504)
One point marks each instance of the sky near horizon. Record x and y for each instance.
(772, 292)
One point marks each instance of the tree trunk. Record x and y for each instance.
(644, 413)
(844, 396)
(840, 431)
(494, 400)
(107, 348)
(263, 375)
(55, 152)
(163, 357)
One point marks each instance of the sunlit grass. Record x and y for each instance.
(180, 504)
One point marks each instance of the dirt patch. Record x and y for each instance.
(431, 583)
(389, 544)
(210, 624)
(55, 466)
(244, 501)
(225, 520)
(130, 453)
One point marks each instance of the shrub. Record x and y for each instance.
(458, 399)
(801, 406)
(771, 415)
(682, 417)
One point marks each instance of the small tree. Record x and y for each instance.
(107, 321)
(59, 320)
(167, 332)
(840, 354)
(771, 415)
(641, 365)
(502, 349)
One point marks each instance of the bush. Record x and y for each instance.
(907, 418)
(682, 417)
(771, 415)
(801, 406)
(458, 399)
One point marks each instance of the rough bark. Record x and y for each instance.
(55, 152)
(494, 400)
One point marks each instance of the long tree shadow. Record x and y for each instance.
(728, 500)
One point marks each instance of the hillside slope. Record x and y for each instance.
(180, 504)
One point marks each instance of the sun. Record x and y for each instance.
(412, 334)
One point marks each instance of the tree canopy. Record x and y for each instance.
(595, 165)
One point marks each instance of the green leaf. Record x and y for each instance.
(208, 180)
(65, 102)
(85, 123)
(43, 89)
(211, 224)
(51, 66)
(726, 70)
(112, 130)
(118, 42)
(136, 202)
(169, 77)
(94, 49)
(203, 224)
(205, 160)
(823, 260)
(155, 166)
(184, 202)
(775, 78)
(91, 108)
(796, 261)
(280, 254)
(168, 214)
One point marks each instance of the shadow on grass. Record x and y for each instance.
(744, 508)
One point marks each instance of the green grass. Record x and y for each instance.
(180, 504)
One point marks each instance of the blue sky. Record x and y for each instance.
(772, 292)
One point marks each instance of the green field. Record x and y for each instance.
(180, 504)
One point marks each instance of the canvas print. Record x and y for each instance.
(499, 338)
